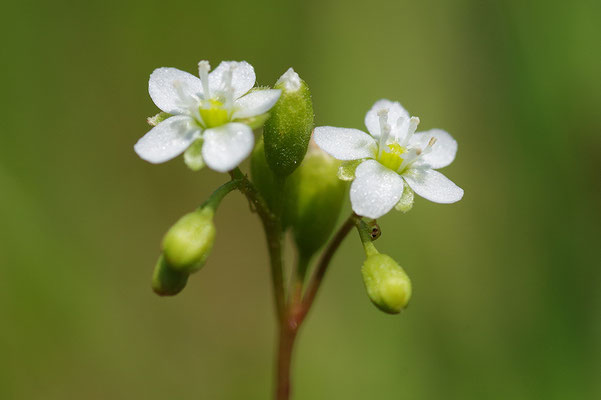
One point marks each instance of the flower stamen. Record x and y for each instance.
(413, 123)
(384, 130)
(203, 72)
(428, 147)
(229, 89)
(416, 153)
(410, 158)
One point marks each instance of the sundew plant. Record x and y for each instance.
(299, 177)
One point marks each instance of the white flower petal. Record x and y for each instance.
(395, 110)
(243, 78)
(167, 140)
(375, 190)
(433, 186)
(256, 102)
(344, 143)
(161, 87)
(443, 151)
(227, 146)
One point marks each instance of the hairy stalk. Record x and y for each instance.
(273, 234)
(290, 314)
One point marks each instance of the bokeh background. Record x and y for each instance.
(507, 300)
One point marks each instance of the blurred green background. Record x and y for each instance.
(507, 282)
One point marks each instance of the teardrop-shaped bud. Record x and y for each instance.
(189, 241)
(387, 284)
(314, 198)
(288, 130)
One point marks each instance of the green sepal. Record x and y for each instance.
(158, 118)
(387, 284)
(167, 281)
(405, 204)
(193, 156)
(288, 130)
(313, 201)
(189, 241)
(346, 171)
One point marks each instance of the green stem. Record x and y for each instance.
(273, 234)
(286, 345)
(366, 239)
(215, 199)
(252, 194)
(274, 245)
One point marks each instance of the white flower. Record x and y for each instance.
(394, 155)
(211, 109)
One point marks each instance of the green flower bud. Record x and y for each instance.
(288, 129)
(188, 243)
(314, 198)
(387, 284)
(167, 281)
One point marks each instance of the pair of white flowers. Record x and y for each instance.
(209, 121)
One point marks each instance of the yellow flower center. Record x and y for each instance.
(391, 156)
(214, 116)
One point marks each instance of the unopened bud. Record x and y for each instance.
(189, 241)
(387, 284)
(314, 198)
(288, 129)
(167, 281)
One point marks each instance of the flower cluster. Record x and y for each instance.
(299, 174)
(299, 179)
